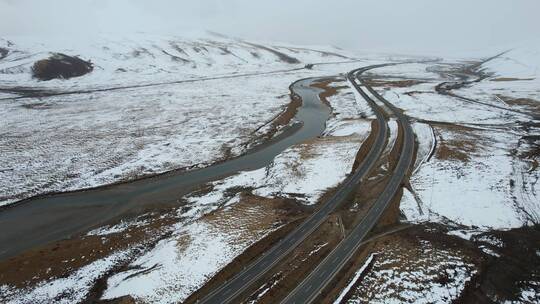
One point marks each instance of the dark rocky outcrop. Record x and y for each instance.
(3, 53)
(61, 66)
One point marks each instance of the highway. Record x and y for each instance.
(316, 282)
(243, 280)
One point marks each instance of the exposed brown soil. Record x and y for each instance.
(412, 93)
(462, 142)
(368, 191)
(289, 211)
(281, 120)
(517, 267)
(254, 213)
(528, 103)
(395, 153)
(371, 187)
(393, 83)
(532, 150)
(122, 300)
(391, 215)
(285, 117)
(366, 145)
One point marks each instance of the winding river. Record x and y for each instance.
(41, 220)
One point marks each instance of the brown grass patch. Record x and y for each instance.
(63, 257)
(500, 79)
(456, 142)
(366, 145)
(372, 186)
(328, 90)
(402, 252)
(285, 117)
(251, 214)
(300, 262)
(393, 83)
(529, 103)
(516, 268)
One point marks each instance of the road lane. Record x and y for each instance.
(243, 280)
(309, 289)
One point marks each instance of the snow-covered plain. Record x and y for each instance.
(70, 289)
(303, 172)
(78, 141)
(179, 265)
(475, 177)
(213, 231)
(422, 274)
(82, 140)
(73, 142)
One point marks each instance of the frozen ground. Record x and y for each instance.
(78, 141)
(477, 175)
(414, 271)
(73, 288)
(179, 265)
(72, 142)
(513, 75)
(482, 186)
(235, 213)
(475, 166)
(303, 172)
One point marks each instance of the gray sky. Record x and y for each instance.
(398, 25)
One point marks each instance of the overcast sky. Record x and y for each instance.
(399, 25)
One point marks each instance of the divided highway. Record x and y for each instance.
(309, 289)
(235, 286)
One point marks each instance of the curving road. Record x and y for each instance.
(244, 279)
(309, 289)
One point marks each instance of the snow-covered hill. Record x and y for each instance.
(518, 62)
(144, 58)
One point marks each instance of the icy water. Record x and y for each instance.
(46, 219)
